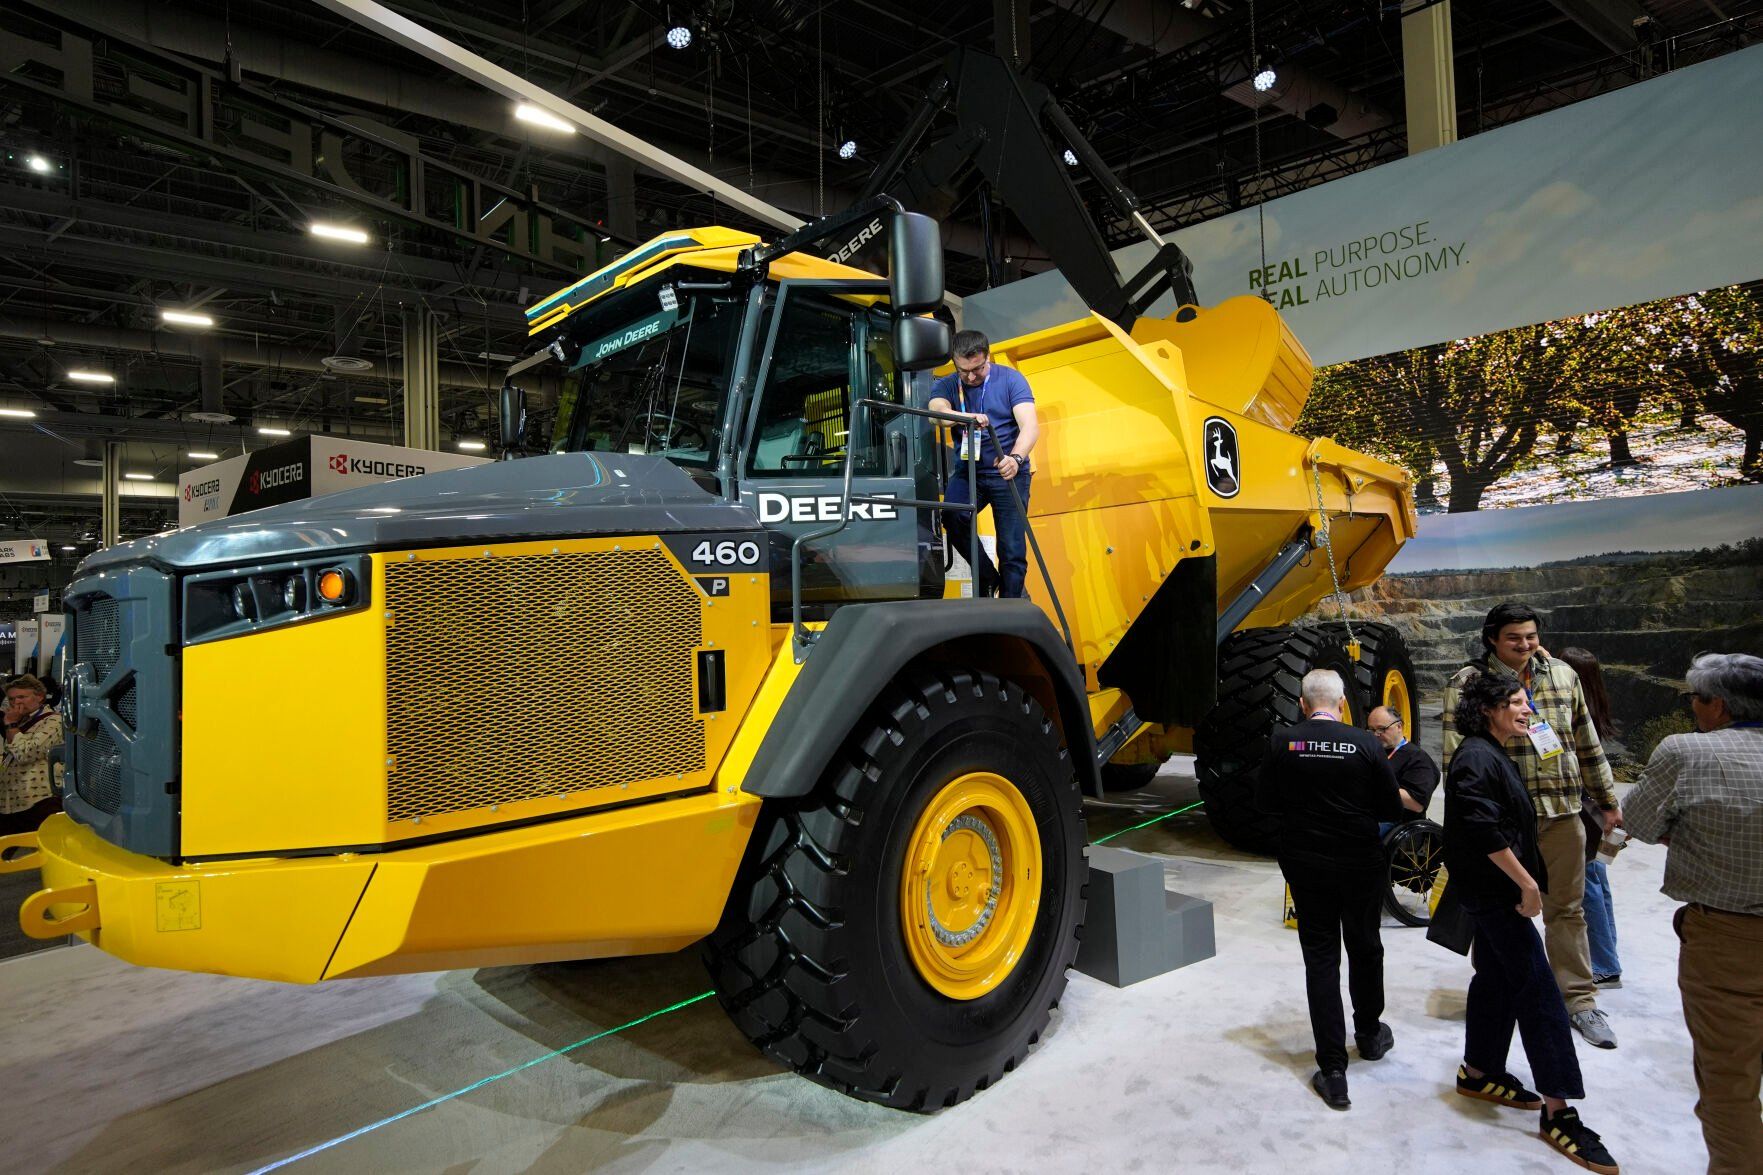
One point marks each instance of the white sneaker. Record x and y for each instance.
(1595, 1027)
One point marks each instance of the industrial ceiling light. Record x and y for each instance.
(185, 318)
(1070, 157)
(38, 164)
(91, 377)
(69, 548)
(679, 36)
(337, 232)
(1265, 79)
(472, 446)
(526, 112)
(19, 413)
(196, 456)
(848, 149)
(267, 431)
(139, 476)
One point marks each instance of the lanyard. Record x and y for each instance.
(1315, 714)
(1744, 725)
(1396, 748)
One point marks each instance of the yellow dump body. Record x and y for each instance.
(1120, 493)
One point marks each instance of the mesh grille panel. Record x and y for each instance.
(100, 777)
(537, 675)
(98, 635)
(124, 705)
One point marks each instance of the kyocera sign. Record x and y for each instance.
(820, 508)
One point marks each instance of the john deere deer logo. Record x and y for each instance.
(1223, 472)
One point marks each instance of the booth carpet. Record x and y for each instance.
(109, 1068)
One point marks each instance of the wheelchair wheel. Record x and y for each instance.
(1414, 851)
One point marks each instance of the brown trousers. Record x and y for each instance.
(1719, 974)
(1561, 841)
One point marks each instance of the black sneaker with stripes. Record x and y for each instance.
(1502, 1089)
(1566, 1133)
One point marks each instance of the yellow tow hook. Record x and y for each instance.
(28, 859)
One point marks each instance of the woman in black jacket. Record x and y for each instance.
(1491, 852)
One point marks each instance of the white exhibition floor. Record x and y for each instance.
(105, 1067)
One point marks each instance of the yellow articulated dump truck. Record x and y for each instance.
(692, 677)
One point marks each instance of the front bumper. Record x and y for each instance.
(639, 880)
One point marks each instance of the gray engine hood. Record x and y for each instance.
(566, 494)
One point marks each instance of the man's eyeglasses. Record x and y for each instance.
(1390, 725)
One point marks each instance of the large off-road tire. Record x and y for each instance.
(1259, 674)
(1384, 672)
(902, 933)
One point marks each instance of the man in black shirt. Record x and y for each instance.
(1331, 784)
(1416, 774)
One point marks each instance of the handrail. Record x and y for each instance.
(973, 482)
(804, 638)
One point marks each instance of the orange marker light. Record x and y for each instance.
(333, 586)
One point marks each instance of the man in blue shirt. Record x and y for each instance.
(999, 395)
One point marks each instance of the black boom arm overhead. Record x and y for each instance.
(1001, 123)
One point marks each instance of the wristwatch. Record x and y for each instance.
(1021, 461)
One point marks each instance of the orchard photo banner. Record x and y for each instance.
(1652, 191)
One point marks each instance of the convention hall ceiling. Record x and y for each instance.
(175, 179)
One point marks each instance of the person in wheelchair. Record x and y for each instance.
(1413, 845)
(1417, 776)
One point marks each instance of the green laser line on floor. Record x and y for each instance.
(447, 1097)
(1146, 824)
(587, 1040)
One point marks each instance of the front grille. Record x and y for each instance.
(124, 705)
(98, 635)
(537, 675)
(99, 781)
(122, 684)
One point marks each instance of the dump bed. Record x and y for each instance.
(1173, 444)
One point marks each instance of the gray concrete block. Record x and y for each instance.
(1136, 929)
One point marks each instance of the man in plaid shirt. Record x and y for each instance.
(1702, 795)
(1560, 757)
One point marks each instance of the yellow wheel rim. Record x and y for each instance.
(1396, 700)
(971, 886)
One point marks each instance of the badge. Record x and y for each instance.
(1545, 740)
(970, 442)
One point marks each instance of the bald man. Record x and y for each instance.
(1416, 774)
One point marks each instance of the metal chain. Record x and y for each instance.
(1340, 597)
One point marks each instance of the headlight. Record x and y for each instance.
(236, 601)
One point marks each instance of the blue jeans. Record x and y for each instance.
(1600, 921)
(1007, 520)
(1514, 987)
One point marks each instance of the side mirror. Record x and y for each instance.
(921, 343)
(512, 424)
(915, 263)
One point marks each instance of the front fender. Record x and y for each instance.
(865, 646)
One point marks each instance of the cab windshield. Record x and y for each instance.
(649, 377)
